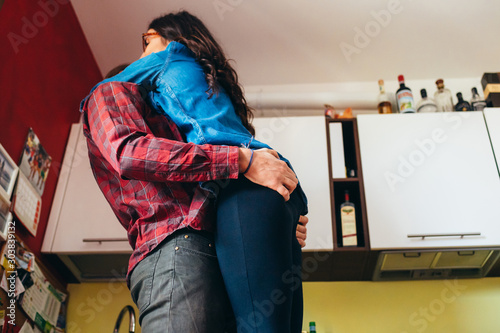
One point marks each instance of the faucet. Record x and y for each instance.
(131, 312)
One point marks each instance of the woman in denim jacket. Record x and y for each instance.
(188, 79)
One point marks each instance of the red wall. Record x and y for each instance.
(46, 68)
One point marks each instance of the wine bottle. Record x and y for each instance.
(348, 222)
(384, 105)
(462, 105)
(404, 97)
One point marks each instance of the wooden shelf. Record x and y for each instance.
(352, 263)
(354, 185)
(340, 120)
(340, 180)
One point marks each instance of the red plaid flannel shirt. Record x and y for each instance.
(146, 171)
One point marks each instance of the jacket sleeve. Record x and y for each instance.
(116, 123)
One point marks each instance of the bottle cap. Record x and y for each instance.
(459, 96)
(423, 93)
(401, 78)
(474, 90)
(380, 82)
(439, 81)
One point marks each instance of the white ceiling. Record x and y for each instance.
(280, 42)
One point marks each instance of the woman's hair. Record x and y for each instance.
(187, 29)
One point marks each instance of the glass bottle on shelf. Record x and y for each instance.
(462, 105)
(404, 97)
(348, 222)
(477, 103)
(443, 97)
(426, 104)
(384, 105)
(312, 327)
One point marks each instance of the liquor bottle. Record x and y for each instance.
(384, 105)
(477, 103)
(404, 97)
(443, 97)
(348, 222)
(312, 327)
(462, 105)
(426, 104)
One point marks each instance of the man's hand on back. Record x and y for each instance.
(268, 170)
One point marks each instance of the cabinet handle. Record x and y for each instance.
(462, 235)
(100, 240)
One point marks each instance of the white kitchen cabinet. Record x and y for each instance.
(302, 140)
(492, 117)
(431, 181)
(81, 220)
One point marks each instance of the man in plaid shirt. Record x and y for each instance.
(150, 177)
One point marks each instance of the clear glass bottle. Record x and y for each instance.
(404, 97)
(443, 97)
(383, 103)
(462, 105)
(426, 104)
(477, 102)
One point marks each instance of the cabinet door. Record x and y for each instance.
(429, 174)
(492, 116)
(80, 214)
(302, 140)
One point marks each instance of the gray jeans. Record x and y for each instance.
(179, 287)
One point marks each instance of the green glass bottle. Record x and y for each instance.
(312, 327)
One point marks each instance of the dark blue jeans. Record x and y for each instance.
(260, 257)
(179, 288)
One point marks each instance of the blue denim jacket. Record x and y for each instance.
(177, 88)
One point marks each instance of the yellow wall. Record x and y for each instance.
(440, 306)
(94, 307)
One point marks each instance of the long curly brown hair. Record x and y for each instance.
(189, 30)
